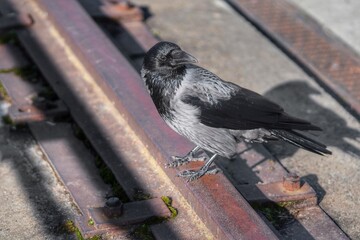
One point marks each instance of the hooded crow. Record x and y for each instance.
(212, 113)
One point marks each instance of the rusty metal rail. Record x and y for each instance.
(320, 53)
(76, 167)
(107, 99)
(72, 161)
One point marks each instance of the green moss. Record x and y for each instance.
(277, 213)
(70, 227)
(7, 120)
(140, 195)
(109, 178)
(287, 204)
(9, 38)
(3, 93)
(168, 201)
(143, 232)
(30, 72)
(91, 222)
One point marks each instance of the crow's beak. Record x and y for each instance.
(180, 57)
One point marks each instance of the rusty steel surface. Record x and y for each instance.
(21, 114)
(133, 38)
(11, 57)
(12, 21)
(275, 192)
(214, 198)
(334, 65)
(131, 213)
(76, 167)
(115, 10)
(310, 220)
(23, 91)
(24, 108)
(259, 165)
(67, 153)
(291, 182)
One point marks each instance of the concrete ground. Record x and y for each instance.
(229, 46)
(34, 204)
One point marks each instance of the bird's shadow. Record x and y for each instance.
(298, 98)
(313, 180)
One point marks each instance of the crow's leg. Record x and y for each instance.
(178, 161)
(204, 170)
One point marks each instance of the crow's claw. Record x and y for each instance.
(178, 161)
(192, 175)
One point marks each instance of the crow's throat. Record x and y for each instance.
(163, 87)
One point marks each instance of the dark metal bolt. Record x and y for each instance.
(113, 202)
(25, 108)
(291, 182)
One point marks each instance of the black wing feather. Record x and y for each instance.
(245, 110)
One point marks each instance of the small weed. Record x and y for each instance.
(70, 227)
(277, 213)
(143, 231)
(168, 201)
(91, 222)
(4, 94)
(7, 120)
(109, 178)
(30, 72)
(140, 195)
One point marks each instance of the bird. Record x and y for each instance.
(214, 114)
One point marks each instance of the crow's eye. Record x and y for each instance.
(162, 58)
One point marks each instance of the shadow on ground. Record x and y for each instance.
(298, 98)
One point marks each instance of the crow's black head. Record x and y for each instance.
(165, 56)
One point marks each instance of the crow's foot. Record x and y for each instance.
(178, 161)
(192, 175)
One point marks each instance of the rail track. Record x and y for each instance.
(71, 74)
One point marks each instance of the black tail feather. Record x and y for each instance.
(301, 141)
(289, 122)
